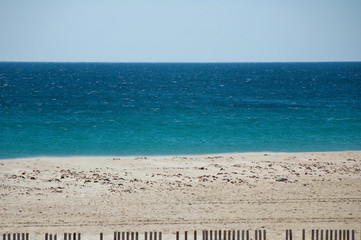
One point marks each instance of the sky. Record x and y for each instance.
(180, 30)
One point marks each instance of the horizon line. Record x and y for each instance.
(180, 62)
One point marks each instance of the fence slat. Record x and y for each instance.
(290, 234)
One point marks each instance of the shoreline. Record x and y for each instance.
(268, 190)
(169, 156)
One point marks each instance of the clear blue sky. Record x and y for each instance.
(180, 30)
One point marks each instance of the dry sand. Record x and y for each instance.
(273, 191)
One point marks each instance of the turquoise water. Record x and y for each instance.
(62, 109)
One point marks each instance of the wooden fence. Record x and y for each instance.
(227, 235)
(321, 234)
(16, 236)
(135, 236)
(314, 234)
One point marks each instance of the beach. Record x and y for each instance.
(271, 191)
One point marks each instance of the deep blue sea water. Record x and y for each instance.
(63, 109)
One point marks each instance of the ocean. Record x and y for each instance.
(120, 109)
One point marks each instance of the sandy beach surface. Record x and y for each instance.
(272, 191)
